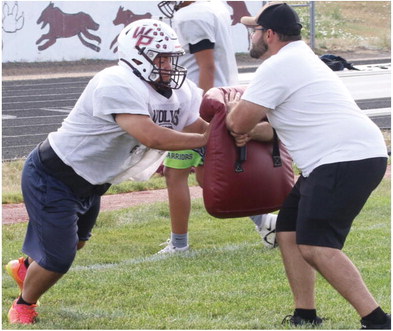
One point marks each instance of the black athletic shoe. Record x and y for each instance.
(296, 320)
(369, 326)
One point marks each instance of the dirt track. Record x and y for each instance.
(16, 213)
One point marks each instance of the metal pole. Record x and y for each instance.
(312, 25)
(311, 6)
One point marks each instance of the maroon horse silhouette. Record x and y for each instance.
(125, 17)
(62, 25)
(239, 10)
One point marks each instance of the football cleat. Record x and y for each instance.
(295, 320)
(22, 314)
(370, 326)
(17, 270)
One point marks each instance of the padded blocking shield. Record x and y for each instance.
(257, 187)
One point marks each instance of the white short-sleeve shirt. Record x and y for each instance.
(312, 111)
(94, 145)
(207, 20)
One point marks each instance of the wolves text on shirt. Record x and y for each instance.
(166, 118)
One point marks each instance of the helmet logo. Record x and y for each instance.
(142, 36)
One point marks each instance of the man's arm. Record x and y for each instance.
(262, 132)
(243, 120)
(151, 135)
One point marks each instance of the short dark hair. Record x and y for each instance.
(285, 37)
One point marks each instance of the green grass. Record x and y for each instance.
(227, 281)
(12, 171)
(342, 26)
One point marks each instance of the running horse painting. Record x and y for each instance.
(125, 17)
(62, 25)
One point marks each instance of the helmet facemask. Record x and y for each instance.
(170, 78)
(168, 8)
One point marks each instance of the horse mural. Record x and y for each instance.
(126, 17)
(62, 25)
(239, 10)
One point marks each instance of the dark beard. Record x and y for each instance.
(257, 51)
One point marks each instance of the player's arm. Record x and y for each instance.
(199, 126)
(152, 135)
(204, 57)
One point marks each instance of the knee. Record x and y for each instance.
(309, 253)
(80, 245)
(314, 255)
(176, 176)
(199, 172)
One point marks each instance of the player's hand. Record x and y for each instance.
(206, 134)
(231, 99)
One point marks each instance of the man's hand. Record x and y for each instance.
(231, 100)
(241, 139)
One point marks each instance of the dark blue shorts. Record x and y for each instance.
(58, 219)
(322, 207)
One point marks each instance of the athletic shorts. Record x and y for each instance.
(322, 207)
(183, 159)
(58, 219)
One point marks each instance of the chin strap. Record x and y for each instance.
(134, 70)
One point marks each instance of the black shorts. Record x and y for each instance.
(322, 207)
(58, 219)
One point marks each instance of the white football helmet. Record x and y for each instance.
(139, 44)
(169, 7)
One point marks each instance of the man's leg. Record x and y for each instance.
(342, 274)
(300, 274)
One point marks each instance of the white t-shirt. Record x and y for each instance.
(207, 20)
(93, 144)
(312, 111)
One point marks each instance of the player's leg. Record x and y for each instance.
(179, 198)
(87, 221)
(51, 238)
(177, 169)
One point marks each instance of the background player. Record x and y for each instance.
(203, 28)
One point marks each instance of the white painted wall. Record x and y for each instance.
(21, 31)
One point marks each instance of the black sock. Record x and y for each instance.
(26, 262)
(307, 314)
(377, 316)
(23, 302)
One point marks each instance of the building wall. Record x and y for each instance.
(40, 31)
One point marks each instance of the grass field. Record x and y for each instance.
(342, 26)
(227, 281)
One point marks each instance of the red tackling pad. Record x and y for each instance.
(251, 187)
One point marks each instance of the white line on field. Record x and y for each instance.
(159, 257)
